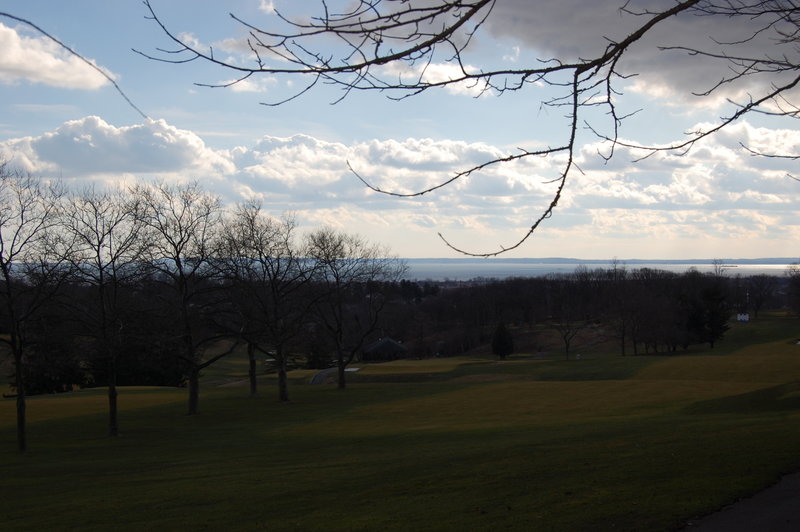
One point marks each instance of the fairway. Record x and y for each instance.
(601, 443)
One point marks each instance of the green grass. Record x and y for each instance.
(601, 443)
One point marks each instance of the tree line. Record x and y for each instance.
(154, 283)
(630, 311)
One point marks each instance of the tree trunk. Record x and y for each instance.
(194, 389)
(283, 384)
(22, 440)
(341, 380)
(113, 422)
(251, 358)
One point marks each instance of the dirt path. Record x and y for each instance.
(776, 509)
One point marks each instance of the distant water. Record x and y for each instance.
(467, 269)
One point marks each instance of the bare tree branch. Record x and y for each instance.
(411, 36)
(79, 56)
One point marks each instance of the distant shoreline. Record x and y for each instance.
(466, 269)
(568, 260)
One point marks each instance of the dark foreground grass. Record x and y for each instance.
(507, 452)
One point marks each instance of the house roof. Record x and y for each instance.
(385, 345)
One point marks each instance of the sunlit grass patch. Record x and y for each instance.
(94, 401)
(764, 351)
(771, 363)
(301, 373)
(523, 403)
(404, 366)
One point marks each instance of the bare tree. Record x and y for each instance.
(568, 309)
(30, 273)
(349, 271)
(388, 46)
(105, 249)
(259, 255)
(179, 222)
(759, 290)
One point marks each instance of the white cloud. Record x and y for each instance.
(90, 146)
(239, 51)
(716, 179)
(267, 6)
(237, 46)
(261, 84)
(191, 40)
(40, 60)
(442, 72)
(438, 73)
(723, 193)
(512, 57)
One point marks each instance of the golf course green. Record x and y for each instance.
(603, 442)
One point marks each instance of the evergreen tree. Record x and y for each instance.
(502, 341)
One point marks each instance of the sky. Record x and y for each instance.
(61, 119)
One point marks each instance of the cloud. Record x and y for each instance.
(512, 57)
(437, 73)
(261, 84)
(300, 164)
(40, 60)
(240, 51)
(267, 6)
(191, 40)
(718, 191)
(573, 29)
(718, 177)
(442, 72)
(90, 146)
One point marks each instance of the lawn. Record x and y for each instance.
(601, 443)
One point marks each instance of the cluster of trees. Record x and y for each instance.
(153, 284)
(641, 310)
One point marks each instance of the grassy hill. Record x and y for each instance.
(531, 443)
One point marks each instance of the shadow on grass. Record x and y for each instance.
(781, 398)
